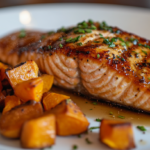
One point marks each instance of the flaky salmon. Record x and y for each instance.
(92, 58)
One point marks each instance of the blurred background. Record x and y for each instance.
(136, 3)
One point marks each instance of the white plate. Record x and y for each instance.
(54, 16)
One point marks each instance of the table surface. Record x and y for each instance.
(136, 3)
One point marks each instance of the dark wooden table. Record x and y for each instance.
(137, 3)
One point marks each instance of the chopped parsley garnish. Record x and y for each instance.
(134, 41)
(121, 117)
(144, 52)
(101, 35)
(75, 147)
(92, 128)
(127, 43)
(111, 113)
(88, 141)
(112, 45)
(78, 31)
(109, 43)
(123, 44)
(60, 45)
(122, 59)
(98, 56)
(121, 39)
(79, 44)
(79, 135)
(62, 29)
(22, 34)
(43, 37)
(95, 103)
(118, 31)
(90, 21)
(88, 30)
(104, 26)
(118, 56)
(93, 27)
(72, 40)
(49, 46)
(68, 101)
(60, 39)
(98, 120)
(135, 52)
(50, 32)
(114, 39)
(96, 41)
(142, 128)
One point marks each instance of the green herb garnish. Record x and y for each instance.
(93, 27)
(88, 141)
(123, 44)
(90, 21)
(79, 31)
(95, 103)
(101, 35)
(98, 56)
(49, 46)
(73, 40)
(88, 30)
(43, 37)
(111, 113)
(79, 44)
(135, 52)
(50, 32)
(92, 128)
(98, 120)
(68, 101)
(22, 34)
(60, 39)
(144, 52)
(142, 128)
(96, 41)
(74, 147)
(121, 117)
(118, 56)
(60, 45)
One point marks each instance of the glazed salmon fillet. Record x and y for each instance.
(92, 58)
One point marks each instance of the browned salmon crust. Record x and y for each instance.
(91, 58)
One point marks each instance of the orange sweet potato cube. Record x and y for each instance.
(12, 121)
(47, 82)
(11, 102)
(69, 118)
(117, 134)
(22, 72)
(3, 68)
(30, 90)
(50, 100)
(39, 132)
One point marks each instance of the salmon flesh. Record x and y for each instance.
(92, 58)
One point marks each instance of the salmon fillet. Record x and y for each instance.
(92, 58)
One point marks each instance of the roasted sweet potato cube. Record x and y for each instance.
(69, 118)
(3, 67)
(50, 100)
(12, 121)
(11, 102)
(47, 82)
(117, 134)
(2, 101)
(30, 90)
(39, 132)
(22, 72)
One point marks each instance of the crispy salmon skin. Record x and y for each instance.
(92, 58)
